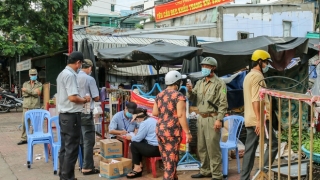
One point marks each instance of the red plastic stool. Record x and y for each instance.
(153, 162)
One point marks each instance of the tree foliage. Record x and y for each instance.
(35, 26)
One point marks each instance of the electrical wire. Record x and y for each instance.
(283, 77)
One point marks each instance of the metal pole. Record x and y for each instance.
(19, 74)
(70, 27)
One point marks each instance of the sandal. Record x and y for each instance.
(93, 171)
(136, 174)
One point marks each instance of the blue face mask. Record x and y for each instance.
(265, 69)
(33, 78)
(205, 72)
(129, 115)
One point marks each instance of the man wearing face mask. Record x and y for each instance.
(121, 123)
(87, 84)
(31, 92)
(70, 105)
(251, 86)
(210, 96)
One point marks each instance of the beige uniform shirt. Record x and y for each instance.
(251, 93)
(214, 91)
(31, 99)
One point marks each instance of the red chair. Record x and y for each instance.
(153, 162)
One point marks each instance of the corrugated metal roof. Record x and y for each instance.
(103, 42)
(142, 70)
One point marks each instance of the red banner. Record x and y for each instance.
(183, 7)
(142, 102)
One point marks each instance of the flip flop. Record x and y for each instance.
(93, 171)
(135, 174)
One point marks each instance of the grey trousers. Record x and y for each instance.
(251, 145)
(87, 140)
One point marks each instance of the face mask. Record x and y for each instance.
(265, 69)
(129, 115)
(205, 71)
(33, 78)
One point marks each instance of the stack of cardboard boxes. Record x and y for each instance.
(112, 164)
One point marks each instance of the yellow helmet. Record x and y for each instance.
(261, 55)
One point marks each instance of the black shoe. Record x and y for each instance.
(93, 171)
(22, 142)
(199, 176)
(136, 174)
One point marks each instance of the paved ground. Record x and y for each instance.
(13, 157)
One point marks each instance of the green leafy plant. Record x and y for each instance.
(295, 137)
(35, 26)
(139, 26)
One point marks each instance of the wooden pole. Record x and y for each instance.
(270, 135)
(289, 140)
(279, 135)
(300, 135)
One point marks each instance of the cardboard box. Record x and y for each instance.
(110, 148)
(115, 170)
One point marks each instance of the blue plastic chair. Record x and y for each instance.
(37, 117)
(55, 145)
(235, 124)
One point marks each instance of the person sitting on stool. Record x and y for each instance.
(144, 143)
(121, 123)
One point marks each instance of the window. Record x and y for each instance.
(112, 7)
(82, 21)
(286, 28)
(244, 35)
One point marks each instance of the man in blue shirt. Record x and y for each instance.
(87, 85)
(121, 122)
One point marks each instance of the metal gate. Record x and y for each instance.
(267, 173)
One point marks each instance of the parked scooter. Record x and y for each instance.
(9, 101)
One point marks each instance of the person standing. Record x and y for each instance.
(251, 86)
(170, 107)
(70, 106)
(31, 91)
(87, 84)
(210, 96)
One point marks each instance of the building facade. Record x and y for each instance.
(240, 21)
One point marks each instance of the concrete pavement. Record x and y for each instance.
(13, 158)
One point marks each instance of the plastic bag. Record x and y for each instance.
(97, 108)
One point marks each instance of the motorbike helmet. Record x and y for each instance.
(209, 61)
(261, 55)
(172, 77)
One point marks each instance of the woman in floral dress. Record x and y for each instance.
(170, 107)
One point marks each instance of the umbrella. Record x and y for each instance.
(156, 54)
(194, 64)
(87, 52)
(160, 52)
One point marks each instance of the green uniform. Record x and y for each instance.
(209, 150)
(31, 100)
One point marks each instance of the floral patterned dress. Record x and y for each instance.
(169, 130)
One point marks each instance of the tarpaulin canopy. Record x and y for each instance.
(158, 50)
(157, 54)
(313, 44)
(121, 53)
(194, 64)
(235, 55)
(86, 49)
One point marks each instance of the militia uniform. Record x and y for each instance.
(208, 139)
(31, 99)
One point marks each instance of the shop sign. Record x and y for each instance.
(23, 65)
(179, 8)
